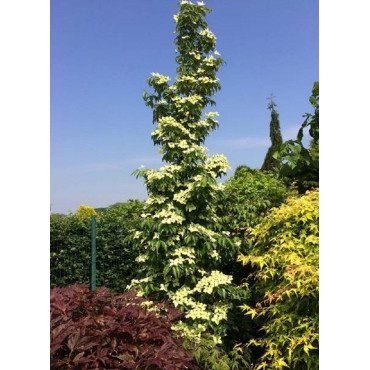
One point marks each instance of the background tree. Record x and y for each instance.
(250, 194)
(185, 245)
(300, 165)
(270, 163)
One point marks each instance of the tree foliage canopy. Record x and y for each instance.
(270, 163)
(250, 194)
(300, 165)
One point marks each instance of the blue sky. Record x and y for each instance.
(102, 51)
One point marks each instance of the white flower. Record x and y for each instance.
(185, 251)
(209, 61)
(220, 313)
(211, 114)
(206, 32)
(160, 78)
(208, 283)
(199, 312)
(163, 287)
(137, 234)
(217, 339)
(218, 162)
(180, 261)
(141, 258)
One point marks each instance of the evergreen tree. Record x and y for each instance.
(300, 165)
(185, 245)
(270, 163)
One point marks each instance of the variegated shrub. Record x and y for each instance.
(185, 245)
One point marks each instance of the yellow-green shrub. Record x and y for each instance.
(85, 212)
(286, 258)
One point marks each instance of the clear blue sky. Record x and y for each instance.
(102, 51)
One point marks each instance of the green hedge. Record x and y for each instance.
(70, 245)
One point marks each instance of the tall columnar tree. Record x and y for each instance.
(182, 234)
(270, 163)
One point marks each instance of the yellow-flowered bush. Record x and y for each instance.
(84, 212)
(286, 258)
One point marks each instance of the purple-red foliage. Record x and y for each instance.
(104, 330)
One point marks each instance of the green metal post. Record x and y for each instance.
(93, 253)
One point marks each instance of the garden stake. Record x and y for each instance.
(93, 253)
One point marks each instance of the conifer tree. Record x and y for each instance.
(181, 233)
(270, 163)
(300, 165)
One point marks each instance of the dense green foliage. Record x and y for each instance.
(270, 163)
(70, 247)
(212, 357)
(182, 233)
(300, 165)
(103, 330)
(249, 196)
(286, 294)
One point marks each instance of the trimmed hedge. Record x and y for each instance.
(70, 247)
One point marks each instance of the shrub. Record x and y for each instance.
(286, 254)
(70, 246)
(104, 330)
(250, 194)
(70, 243)
(116, 258)
(210, 356)
(85, 212)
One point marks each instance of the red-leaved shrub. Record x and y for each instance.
(104, 330)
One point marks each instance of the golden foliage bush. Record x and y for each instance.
(286, 261)
(84, 212)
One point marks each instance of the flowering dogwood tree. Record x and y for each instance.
(181, 232)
